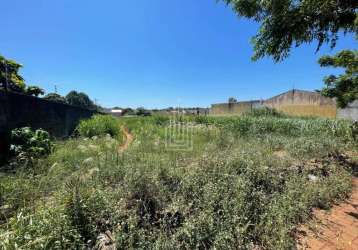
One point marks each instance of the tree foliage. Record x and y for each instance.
(232, 100)
(344, 87)
(55, 98)
(129, 111)
(143, 112)
(34, 91)
(9, 73)
(79, 99)
(287, 23)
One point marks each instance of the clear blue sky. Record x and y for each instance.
(152, 53)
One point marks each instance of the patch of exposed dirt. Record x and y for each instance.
(128, 140)
(333, 229)
(281, 154)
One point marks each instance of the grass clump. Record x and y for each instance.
(99, 125)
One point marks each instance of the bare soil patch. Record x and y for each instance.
(128, 140)
(333, 229)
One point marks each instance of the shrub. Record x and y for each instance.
(28, 144)
(99, 125)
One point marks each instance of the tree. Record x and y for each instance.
(143, 112)
(55, 98)
(232, 100)
(285, 23)
(129, 111)
(9, 74)
(345, 86)
(79, 99)
(34, 90)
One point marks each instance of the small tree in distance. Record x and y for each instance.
(142, 112)
(34, 91)
(232, 100)
(79, 99)
(55, 98)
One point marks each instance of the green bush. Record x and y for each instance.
(99, 125)
(26, 143)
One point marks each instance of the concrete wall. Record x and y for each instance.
(234, 108)
(303, 103)
(17, 110)
(350, 112)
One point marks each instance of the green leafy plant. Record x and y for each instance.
(99, 125)
(28, 144)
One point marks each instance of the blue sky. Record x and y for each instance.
(152, 53)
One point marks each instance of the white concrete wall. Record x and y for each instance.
(350, 112)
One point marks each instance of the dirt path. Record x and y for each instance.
(128, 140)
(337, 228)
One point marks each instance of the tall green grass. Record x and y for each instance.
(256, 125)
(231, 191)
(99, 125)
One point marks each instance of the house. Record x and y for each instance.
(117, 112)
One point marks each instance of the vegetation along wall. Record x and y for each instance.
(17, 110)
(303, 103)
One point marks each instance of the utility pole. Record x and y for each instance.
(55, 89)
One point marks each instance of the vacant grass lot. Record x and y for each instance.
(246, 184)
